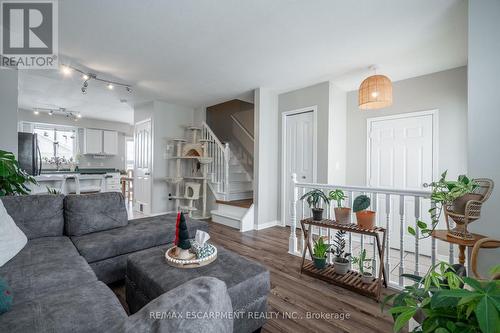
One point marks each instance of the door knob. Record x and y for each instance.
(146, 173)
(303, 177)
(426, 185)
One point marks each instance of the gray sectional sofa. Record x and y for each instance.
(76, 244)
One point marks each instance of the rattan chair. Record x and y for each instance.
(472, 211)
(485, 243)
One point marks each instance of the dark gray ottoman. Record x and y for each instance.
(148, 276)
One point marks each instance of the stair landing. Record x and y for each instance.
(244, 203)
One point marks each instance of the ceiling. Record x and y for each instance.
(200, 52)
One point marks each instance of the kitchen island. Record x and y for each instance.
(77, 182)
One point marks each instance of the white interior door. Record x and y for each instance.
(299, 153)
(401, 151)
(142, 173)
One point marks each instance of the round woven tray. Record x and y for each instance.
(190, 263)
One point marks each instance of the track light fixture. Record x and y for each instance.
(62, 111)
(86, 77)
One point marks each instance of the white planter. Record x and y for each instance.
(367, 278)
(341, 267)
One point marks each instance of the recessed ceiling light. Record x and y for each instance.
(36, 112)
(79, 115)
(66, 70)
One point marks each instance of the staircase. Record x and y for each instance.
(230, 183)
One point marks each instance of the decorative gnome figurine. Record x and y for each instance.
(182, 239)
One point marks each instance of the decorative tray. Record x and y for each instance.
(190, 263)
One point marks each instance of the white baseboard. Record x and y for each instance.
(267, 225)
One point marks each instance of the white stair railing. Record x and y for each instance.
(242, 144)
(393, 212)
(219, 168)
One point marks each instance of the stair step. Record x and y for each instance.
(245, 203)
(226, 219)
(239, 195)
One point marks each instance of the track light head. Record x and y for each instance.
(36, 112)
(85, 77)
(84, 90)
(51, 113)
(129, 90)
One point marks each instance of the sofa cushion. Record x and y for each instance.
(139, 234)
(92, 307)
(42, 250)
(12, 239)
(29, 282)
(37, 215)
(87, 213)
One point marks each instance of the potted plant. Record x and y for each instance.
(342, 214)
(320, 251)
(365, 218)
(443, 301)
(13, 179)
(341, 263)
(445, 192)
(364, 263)
(314, 199)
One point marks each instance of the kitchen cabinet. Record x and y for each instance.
(99, 142)
(92, 141)
(110, 142)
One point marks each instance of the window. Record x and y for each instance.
(56, 142)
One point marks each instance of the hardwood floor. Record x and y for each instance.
(295, 295)
(297, 303)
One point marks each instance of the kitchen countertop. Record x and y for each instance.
(80, 171)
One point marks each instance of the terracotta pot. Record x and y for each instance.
(319, 263)
(343, 215)
(317, 214)
(460, 203)
(367, 278)
(366, 219)
(341, 267)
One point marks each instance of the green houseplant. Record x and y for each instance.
(341, 263)
(365, 218)
(444, 192)
(13, 180)
(314, 199)
(342, 214)
(364, 263)
(444, 302)
(320, 251)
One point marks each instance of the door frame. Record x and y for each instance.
(435, 137)
(150, 120)
(284, 180)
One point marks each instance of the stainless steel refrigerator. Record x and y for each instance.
(29, 156)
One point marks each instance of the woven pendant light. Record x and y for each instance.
(375, 92)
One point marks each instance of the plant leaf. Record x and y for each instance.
(403, 318)
(487, 316)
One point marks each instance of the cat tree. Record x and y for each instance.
(188, 177)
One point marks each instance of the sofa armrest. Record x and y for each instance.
(200, 305)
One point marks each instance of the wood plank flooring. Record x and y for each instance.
(300, 303)
(297, 303)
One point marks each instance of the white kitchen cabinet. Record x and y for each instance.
(92, 141)
(110, 142)
(99, 142)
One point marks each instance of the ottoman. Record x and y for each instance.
(148, 276)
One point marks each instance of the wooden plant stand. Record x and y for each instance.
(351, 280)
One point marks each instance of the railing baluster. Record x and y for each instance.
(433, 240)
(303, 216)
(452, 254)
(387, 227)
(401, 237)
(374, 258)
(351, 199)
(292, 242)
(417, 217)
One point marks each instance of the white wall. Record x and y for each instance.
(446, 91)
(168, 121)
(266, 162)
(86, 161)
(484, 113)
(8, 110)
